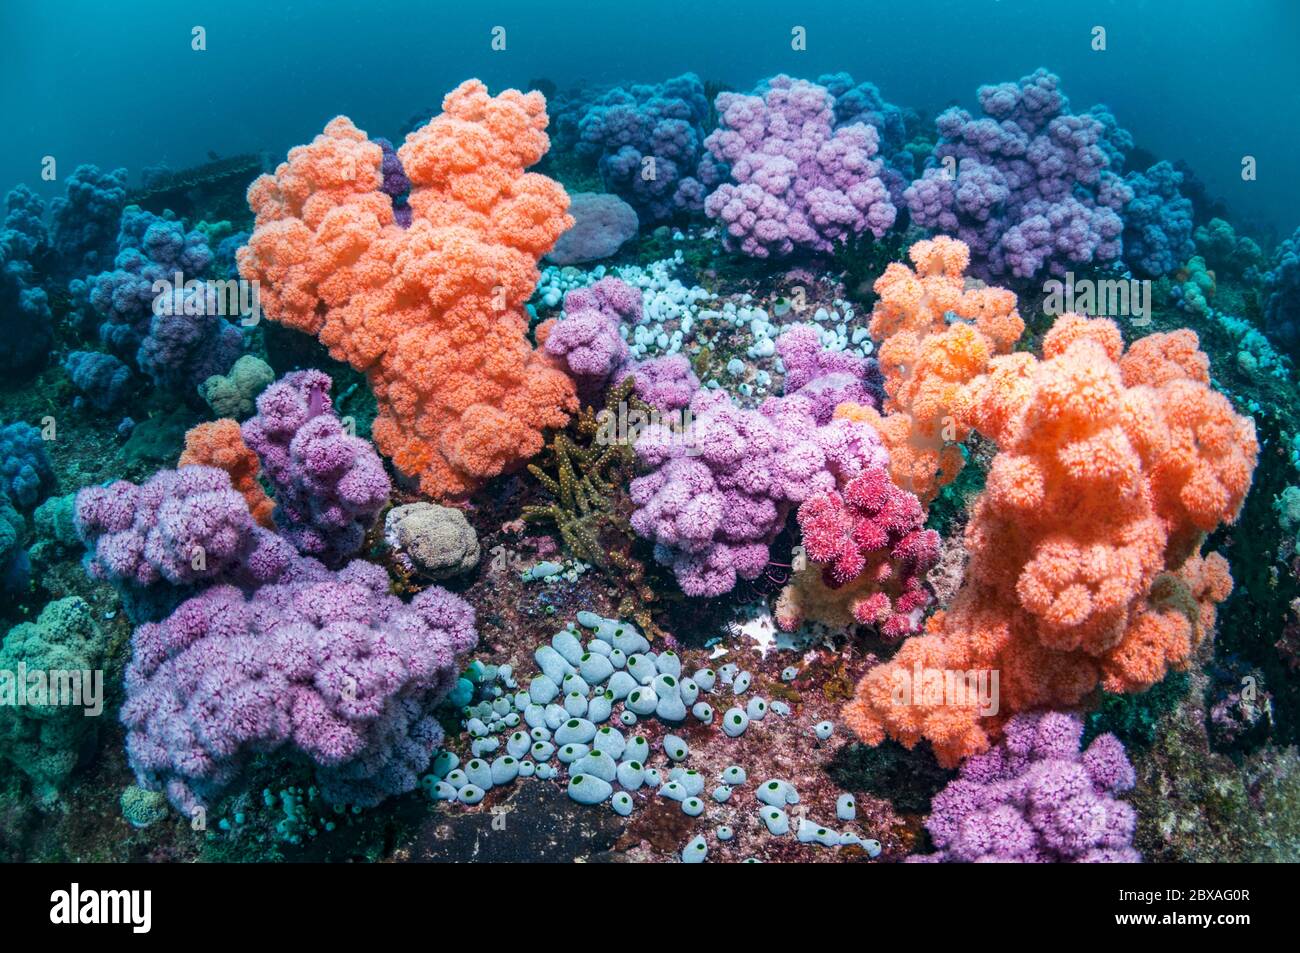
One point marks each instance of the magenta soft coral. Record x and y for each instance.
(718, 492)
(872, 551)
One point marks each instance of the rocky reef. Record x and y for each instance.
(866, 487)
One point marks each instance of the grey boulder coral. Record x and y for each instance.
(432, 541)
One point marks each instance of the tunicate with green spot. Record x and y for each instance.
(846, 807)
(695, 851)
(734, 722)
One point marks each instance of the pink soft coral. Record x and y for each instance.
(868, 555)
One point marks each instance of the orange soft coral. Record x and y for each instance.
(935, 334)
(433, 313)
(220, 444)
(1083, 567)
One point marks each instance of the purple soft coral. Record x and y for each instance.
(797, 181)
(181, 528)
(719, 491)
(827, 378)
(1036, 798)
(1029, 187)
(331, 665)
(589, 341)
(329, 485)
(395, 183)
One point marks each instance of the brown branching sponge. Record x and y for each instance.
(585, 470)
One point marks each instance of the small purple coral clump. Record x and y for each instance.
(1157, 222)
(587, 338)
(1035, 798)
(797, 182)
(1030, 186)
(589, 341)
(719, 491)
(395, 185)
(665, 383)
(329, 485)
(180, 529)
(329, 665)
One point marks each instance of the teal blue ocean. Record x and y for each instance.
(1208, 81)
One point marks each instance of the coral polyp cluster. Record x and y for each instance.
(430, 312)
(935, 335)
(1111, 467)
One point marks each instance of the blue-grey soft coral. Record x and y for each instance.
(149, 248)
(26, 325)
(84, 221)
(25, 471)
(1157, 222)
(15, 566)
(649, 143)
(101, 379)
(1282, 290)
(177, 339)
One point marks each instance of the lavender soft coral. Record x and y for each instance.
(1036, 798)
(1030, 186)
(589, 340)
(330, 666)
(329, 485)
(826, 378)
(719, 491)
(665, 383)
(863, 103)
(182, 528)
(797, 182)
